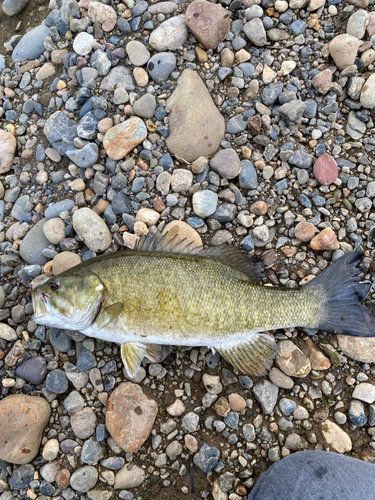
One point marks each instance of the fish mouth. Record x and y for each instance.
(39, 301)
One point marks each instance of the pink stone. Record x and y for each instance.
(325, 169)
(108, 25)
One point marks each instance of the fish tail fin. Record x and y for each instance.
(341, 293)
(253, 356)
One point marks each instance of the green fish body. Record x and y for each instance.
(165, 292)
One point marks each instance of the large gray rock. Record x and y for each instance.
(31, 45)
(33, 244)
(14, 7)
(195, 124)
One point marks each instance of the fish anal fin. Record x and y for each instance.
(238, 260)
(109, 314)
(132, 354)
(154, 352)
(253, 356)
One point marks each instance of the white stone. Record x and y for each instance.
(332, 10)
(287, 67)
(51, 450)
(335, 437)
(7, 333)
(357, 23)
(367, 97)
(148, 216)
(281, 6)
(83, 43)
(170, 35)
(364, 392)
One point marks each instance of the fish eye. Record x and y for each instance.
(54, 286)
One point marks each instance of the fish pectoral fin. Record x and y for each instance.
(154, 352)
(253, 356)
(109, 314)
(132, 354)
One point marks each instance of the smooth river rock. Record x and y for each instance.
(193, 120)
(31, 45)
(22, 420)
(8, 146)
(122, 138)
(130, 416)
(92, 229)
(343, 50)
(367, 97)
(209, 22)
(359, 348)
(170, 35)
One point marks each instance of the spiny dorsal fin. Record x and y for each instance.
(236, 259)
(253, 356)
(166, 243)
(231, 256)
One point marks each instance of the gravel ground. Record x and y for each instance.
(245, 123)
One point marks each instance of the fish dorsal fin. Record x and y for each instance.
(253, 356)
(166, 243)
(231, 256)
(236, 259)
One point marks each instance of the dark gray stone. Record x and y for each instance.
(22, 476)
(248, 178)
(33, 370)
(207, 457)
(56, 382)
(85, 157)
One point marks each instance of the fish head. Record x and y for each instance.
(68, 301)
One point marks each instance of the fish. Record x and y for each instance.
(167, 291)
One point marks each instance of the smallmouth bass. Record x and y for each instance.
(168, 292)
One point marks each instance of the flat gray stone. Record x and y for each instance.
(31, 45)
(33, 244)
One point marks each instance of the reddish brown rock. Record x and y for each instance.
(319, 361)
(304, 231)
(8, 146)
(130, 416)
(325, 169)
(325, 240)
(22, 420)
(62, 478)
(209, 22)
(259, 208)
(122, 138)
(322, 81)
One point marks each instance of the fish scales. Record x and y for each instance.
(182, 297)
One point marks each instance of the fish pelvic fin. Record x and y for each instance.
(253, 356)
(341, 293)
(132, 354)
